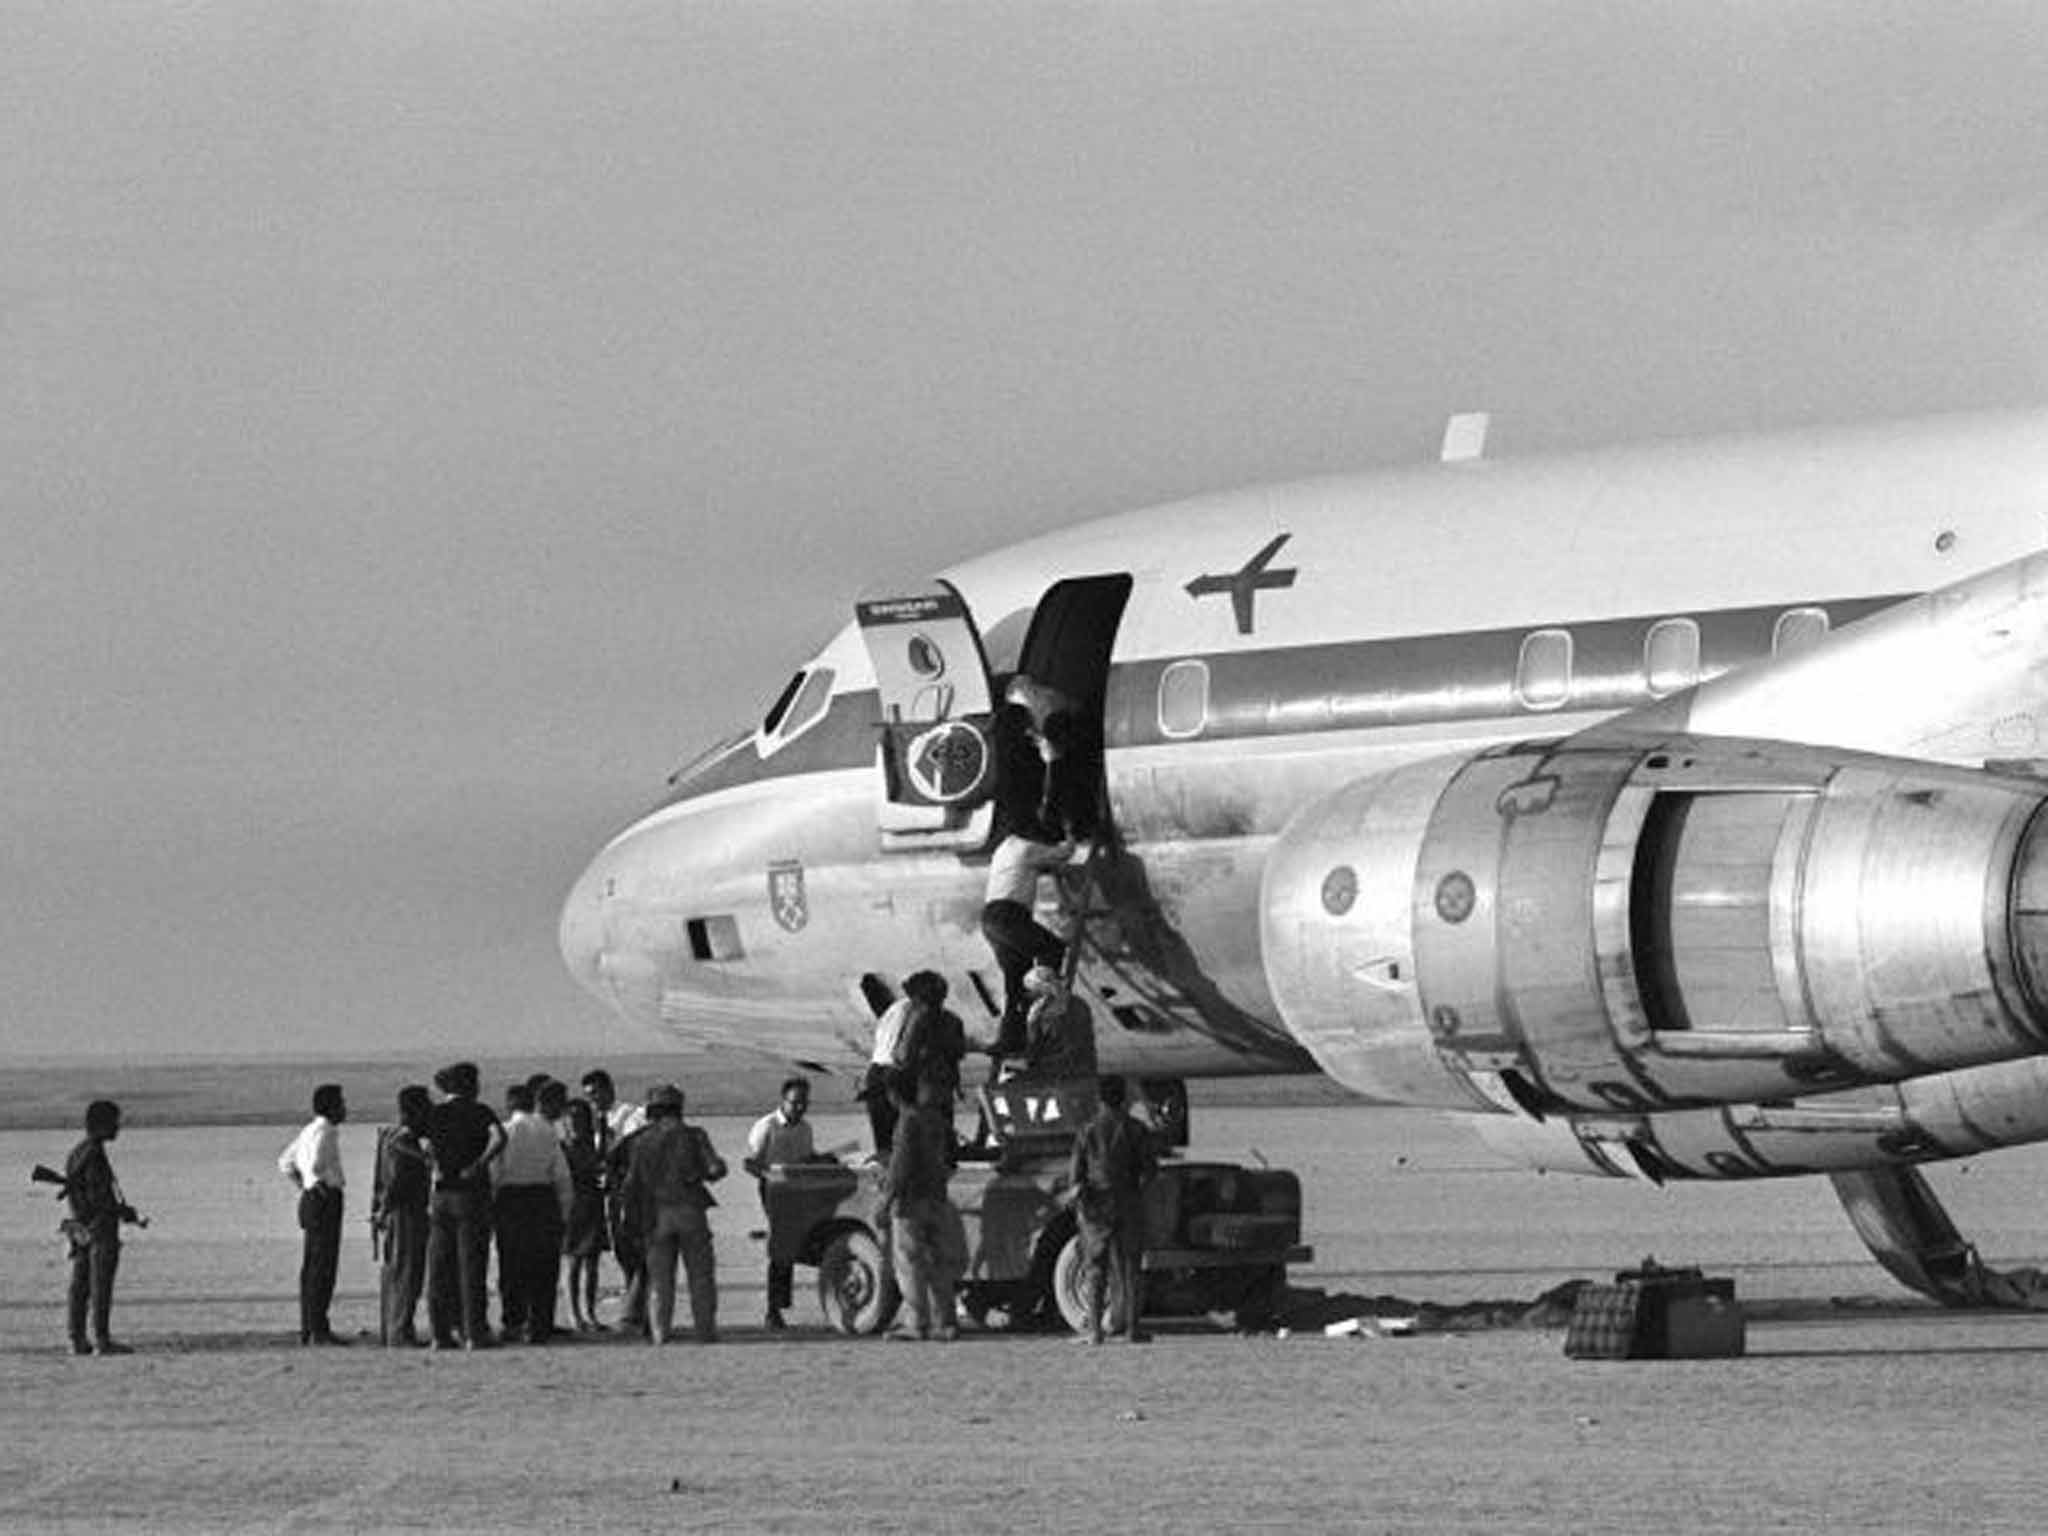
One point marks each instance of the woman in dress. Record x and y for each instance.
(584, 1238)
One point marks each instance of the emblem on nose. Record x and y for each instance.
(786, 897)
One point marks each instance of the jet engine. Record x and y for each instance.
(1627, 925)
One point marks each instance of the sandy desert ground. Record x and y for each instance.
(1875, 1416)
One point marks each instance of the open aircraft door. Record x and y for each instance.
(937, 764)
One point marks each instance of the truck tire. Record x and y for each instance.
(856, 1292)
(1070, 1295)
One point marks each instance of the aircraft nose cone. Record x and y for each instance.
(582, 933)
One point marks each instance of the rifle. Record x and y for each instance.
(43, 1173)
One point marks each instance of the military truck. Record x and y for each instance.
(1218, 1236)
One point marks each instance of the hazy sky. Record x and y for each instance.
(422, 425)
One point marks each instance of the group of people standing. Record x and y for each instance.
(576, 1178)
(555, 1178)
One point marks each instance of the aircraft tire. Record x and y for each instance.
(856, 1291)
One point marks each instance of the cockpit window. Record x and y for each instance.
(781, 705)
(801, 706)
(809, 704)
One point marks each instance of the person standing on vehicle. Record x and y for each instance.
(924, 1230)
(1059, 1030)
(779, 1138)
(313, 1163)
(666, 1198)
(1111, 1164)
(936, 1042)
(887, 1057)
(93, 1196)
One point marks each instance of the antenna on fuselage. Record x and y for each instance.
(1465, 437)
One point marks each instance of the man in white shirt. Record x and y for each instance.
(779, 1138)
(1009, 923)
(313, 1163)
(530, 1203)
(887, 1057)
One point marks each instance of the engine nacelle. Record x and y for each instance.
(1631, 925)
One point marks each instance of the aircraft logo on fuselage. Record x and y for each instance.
(786, 898)
(1246, 582)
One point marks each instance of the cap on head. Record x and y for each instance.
(665, 1099)
(102, 1116)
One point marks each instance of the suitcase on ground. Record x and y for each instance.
(1654, 1313)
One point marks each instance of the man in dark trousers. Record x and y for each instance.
(313, 1163)
(924, 1229)
(1111, 1164)
(465, 1137)
(529, 1209)
(94, 1229)
(779, 1139)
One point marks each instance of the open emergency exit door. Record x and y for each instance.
(935, 759)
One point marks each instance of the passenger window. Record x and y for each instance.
(1184, 699)
(1671, 656)
(1798, 629)
(1543, 677)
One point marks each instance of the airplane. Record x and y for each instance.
(1671, 811)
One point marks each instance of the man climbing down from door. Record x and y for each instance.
(1041, 813)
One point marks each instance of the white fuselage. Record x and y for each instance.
(1402, 616)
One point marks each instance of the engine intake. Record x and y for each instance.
(1628, 925)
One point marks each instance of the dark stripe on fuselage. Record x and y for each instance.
(1417, 680)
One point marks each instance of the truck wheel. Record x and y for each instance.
(855, 1292)
(1070, 1293)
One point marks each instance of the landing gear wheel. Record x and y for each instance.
(855, 1290)
(1070, 1290)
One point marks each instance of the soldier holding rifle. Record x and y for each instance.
(93, 1229)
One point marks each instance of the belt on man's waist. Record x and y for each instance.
(457, 1186)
